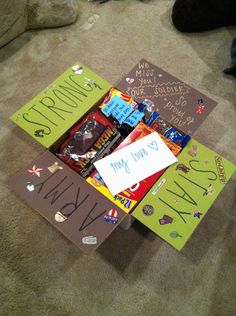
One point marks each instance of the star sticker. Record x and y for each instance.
(197, 214)
(35, 170)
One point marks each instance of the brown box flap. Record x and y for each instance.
(67, 201)
(181, 105)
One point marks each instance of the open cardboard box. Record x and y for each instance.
(177, 201)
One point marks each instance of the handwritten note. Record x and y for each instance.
(135, 162)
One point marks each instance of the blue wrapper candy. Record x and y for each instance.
(154, 116)
(173, 135)
(134, 118)
(141, 107)
(185, 140)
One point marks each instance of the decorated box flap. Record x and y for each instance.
(178, 103)
(53, 111)
(74, 207)
(181, 197)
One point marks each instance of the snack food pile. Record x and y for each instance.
(117, 122)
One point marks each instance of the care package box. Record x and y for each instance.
(74, 183)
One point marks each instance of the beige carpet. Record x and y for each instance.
(134, 273)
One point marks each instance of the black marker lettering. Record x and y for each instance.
(54, 193)
(65, 98)
(52, 107)
(36, 123)
(74, 89)
(41, 184)
(69, 208)
(178, 212)
(90, 218)
(183, 196)
(199, 170)
(191, 181)
(33, 107)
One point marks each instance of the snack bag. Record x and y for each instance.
(92, 138)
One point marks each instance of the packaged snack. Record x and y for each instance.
(142, 130)
(92, 138)
(118, 106)
(125, 97)
(167, 130)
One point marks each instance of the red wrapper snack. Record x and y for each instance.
(92, 138)
(142, 130)
(125, 97)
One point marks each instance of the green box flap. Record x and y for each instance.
(181, 197)
(52, 112)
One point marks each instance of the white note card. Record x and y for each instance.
(135, 162)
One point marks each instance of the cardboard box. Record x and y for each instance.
(173, 207)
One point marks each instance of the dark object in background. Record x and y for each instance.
(203, 15)
(232, 70)
(104, 1)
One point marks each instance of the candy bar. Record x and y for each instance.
(92, 138)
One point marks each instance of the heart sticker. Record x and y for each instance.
(130, 80)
